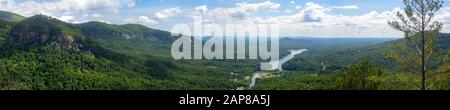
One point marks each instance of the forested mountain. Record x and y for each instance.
(44, 53)
(41, 52)
(336, 58)
(349, 68)
(128, 38)
(5, 27)
(41, 30)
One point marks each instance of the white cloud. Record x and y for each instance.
(292, 2)
(66, 18)
(166, 13)
(257, 6)
(96, 15)
(310, 19)
(66, 10)
(141, 20)
(298, 7)
(104, 21)
(242, 10)
(29, 7)
(348, 7)
(202, 9)
(287, 11)
(315, 20)
(131, 4)
(443, 16)
(157, 18)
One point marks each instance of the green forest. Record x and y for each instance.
(44, 53)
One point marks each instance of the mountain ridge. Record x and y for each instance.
(11, 17)
(44, 53)
(339, 58)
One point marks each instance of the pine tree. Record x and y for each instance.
(419, 54)
(361, 76)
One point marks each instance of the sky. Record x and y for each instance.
(310, 18)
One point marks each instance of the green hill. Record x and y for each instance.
(338, 58)
(5, 27)
(128, 38)
(43, 53)
(11, 17)
(7, 20)
(42, 30)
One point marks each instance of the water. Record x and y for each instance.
(254, 77)
(277, 65)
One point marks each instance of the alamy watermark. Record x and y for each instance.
(262, 41)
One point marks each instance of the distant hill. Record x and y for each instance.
(338, 58)
(328, 43)
(11, 17)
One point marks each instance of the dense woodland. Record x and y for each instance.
(43, 53)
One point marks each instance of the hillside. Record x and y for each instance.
(42, 30)
(11, 17)
(128, 38)
(328, 44)
(5, 27)
(337, 59)
(43, 53)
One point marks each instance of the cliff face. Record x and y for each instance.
(41, 30)
(36, 39)
(126, 31)
(5, 26)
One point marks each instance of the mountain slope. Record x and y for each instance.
(128, 38)
(5, 27)
(336, 60)
(42, 30)
(11, 17)
(328, 44)
(43, 53)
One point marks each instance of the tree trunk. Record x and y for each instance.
(423, 52)
(423, 62)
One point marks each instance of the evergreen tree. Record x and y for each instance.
(361, 76)
(419, 54)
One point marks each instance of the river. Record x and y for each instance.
(277, 65)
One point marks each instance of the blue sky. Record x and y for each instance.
(313, 18)
(369, 5)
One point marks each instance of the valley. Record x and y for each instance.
(43, 53)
